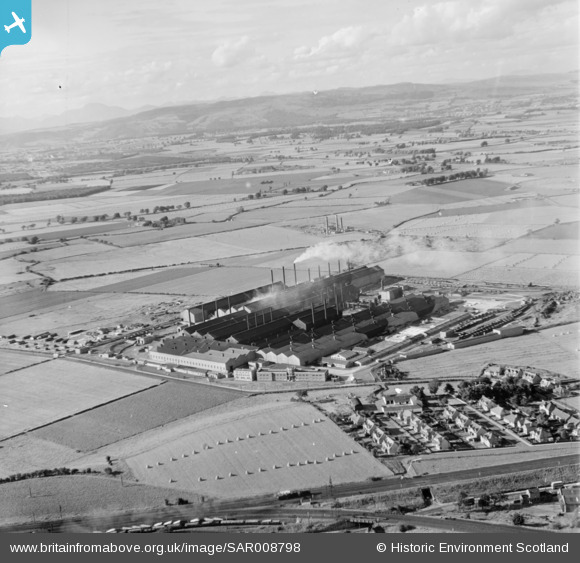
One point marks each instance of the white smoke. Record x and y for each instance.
(371, 251)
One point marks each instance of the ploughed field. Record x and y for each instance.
(43, 393)
(134, 414)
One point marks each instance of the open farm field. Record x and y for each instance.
(61, 315)
(557, 277)
(292, 451)
(150, 236)
(263, 239)
(13, 270)
(569, 231)
(481, 187)
(136, 282)
(77, 495)
(431, 195)
(214, 282)
(43, 393)
(74, 248)
(557, 353)
(384, 218)
(489, 206)
(35, 300)
(473, 459)
(14, 360)
(530, 245)
(132, 415)
(170, 253)
(438, 263)
(68, 231)
(24, 453)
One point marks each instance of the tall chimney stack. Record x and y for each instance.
(329, 269)
(341, 225)
(283, 277)
(319, 274)
(337, 225)
(272, 277)
(339, 266)
(326, 224)
(312, 311)
(295, 278)
(309, 274)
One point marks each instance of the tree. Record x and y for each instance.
(449, 389)
(419, 392)
(484, 144)
(117, 215)
(434, 385)
(187, 205)
(484, 501)
(461, 499)
(33, 240)
(518, 519)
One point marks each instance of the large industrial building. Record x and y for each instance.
(295, 326)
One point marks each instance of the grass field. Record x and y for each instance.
(43, 393)
(554, 349)
(132, 415)
(12, 360)
(69, 496)
(301, 446)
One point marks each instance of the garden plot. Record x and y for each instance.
(543, 350)
(44, 393)
(255, 451)
(133, 415)
(12, 360)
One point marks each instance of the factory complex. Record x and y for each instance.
(291, 333)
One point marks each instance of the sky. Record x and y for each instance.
(134, 53)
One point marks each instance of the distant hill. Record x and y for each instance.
(329, 107)
(89, 113)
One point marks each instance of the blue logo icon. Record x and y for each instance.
(15, 22)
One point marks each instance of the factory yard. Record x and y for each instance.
(255, 451)
(43, 393)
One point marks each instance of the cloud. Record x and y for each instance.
(455, 21)
(231, 53)
(340, 42)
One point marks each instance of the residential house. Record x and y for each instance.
(513, 420)
(559, 414)
(573, 426)
(493, 372)
(450, 413)
(475, 431)
(406, 416)
(531, 377)
(389, 445)
(548, 383)
(540, 435)
(490, 439)
(511, 371)
(546, 407)
(440, 443)
(498, 412)
(486, 404)
(526, 426)
(463, 421)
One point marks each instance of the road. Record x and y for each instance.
(268, 507)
